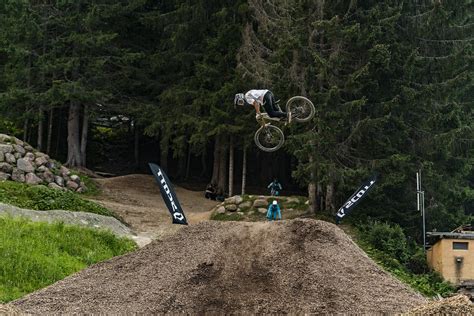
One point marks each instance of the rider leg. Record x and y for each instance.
(269, 105)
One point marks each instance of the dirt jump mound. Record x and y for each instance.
(297, 266)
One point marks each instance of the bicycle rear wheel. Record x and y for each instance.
(269, 138)
(301, 108)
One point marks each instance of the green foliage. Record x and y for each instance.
(386, 244)
(226, 217)
(35, 255)
(42, 198)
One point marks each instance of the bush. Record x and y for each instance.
(42, 198)
(387, 238)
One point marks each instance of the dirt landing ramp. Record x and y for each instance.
(297, 266)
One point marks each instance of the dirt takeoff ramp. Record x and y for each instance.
(295, 266)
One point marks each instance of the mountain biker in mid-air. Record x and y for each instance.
(257, 98)
(275, 187)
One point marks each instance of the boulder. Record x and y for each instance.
(18, 175)
(40, 161)
(17, 155)
(42, 169)
(5, 148)
(80, 190)
(10, 158)
(28, 148)
(220, 210)
(240, 213)
(53, 185)
(76, 178)
(6, 167)
(19, 149)
(50, 165)
(4, 176)
(231, 207)
(30, 156)
(5, 138)
(47, 176)
(292, 200)
(230, 200)
(31, 178)
(18, 141)
(262, 210)
(245, 204)
(238, 199)
(59, 181)
(259, 203)
(64, 171)
(25, 165)
(72, 185)
(2, 157)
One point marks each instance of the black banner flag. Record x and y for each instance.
(360, 193)
(168, 195)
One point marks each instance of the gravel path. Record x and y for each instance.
(291, 266)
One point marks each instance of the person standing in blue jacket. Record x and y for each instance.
(273, 211)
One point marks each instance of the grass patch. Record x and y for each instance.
(35, 255)
(227, 217)
(92, 187)
(43, 198)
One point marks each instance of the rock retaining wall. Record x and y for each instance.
(20, 162)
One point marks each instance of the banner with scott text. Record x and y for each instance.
(355, 199)
(169, 196)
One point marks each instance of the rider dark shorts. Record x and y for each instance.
(270, 106)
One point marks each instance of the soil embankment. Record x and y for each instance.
(295, 266)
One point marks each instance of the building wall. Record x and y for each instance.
(455, 265)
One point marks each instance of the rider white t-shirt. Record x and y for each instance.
(255, 95)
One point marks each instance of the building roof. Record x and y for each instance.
(449, 235)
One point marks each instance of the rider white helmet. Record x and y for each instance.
(239, 99)
(275, 202)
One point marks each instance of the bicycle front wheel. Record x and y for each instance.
(301, 108)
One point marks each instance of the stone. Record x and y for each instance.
(18, 175)
(40, 161)
(245, 204)
(28, 148)
(240, 213)
(72, 185)
(75, 178)
(47, 176)
(80, 190)
(64, 171)
(59, 181)
(50, 165)
(4, 176)
(231, 207)
(260, 203)
(10, 158)
(230, 200)
(262, 210)
(292, 200)
(4, 148)
(6, 167)
(18, 141)
(30, 156)
(238, 199)
(31, 178)
(5, 138)
(17, 155)
(25, 165)
(53, 185)
(220, 210)
(42, 169)
(2, 157)
(19, 149)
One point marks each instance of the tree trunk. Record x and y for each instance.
(39, 143)
(330, 196)
(50, 131)
(136, 145)
(164, 147)
(231, 167)
(58, 132)
(215, 167)
(312, 191)
(188, 163)
(244, 170)
(221, 185)
(73, 140)
(85, 132)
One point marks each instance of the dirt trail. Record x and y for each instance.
(137, 199)
(290, 266)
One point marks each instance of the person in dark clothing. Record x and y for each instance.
(210, 192)
(275, 187)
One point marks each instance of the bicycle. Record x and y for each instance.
(269, 137)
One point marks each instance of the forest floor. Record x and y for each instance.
(136, 198)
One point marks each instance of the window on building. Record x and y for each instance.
(460, 245)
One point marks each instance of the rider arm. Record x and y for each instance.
(256, 105)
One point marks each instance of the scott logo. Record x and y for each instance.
(176, 214)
